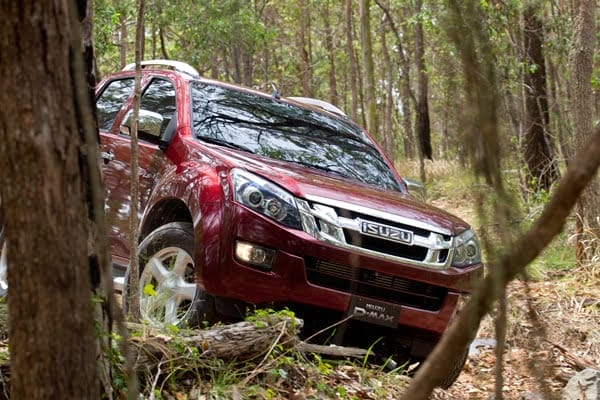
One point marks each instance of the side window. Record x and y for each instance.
(111, 100)
(159, 97)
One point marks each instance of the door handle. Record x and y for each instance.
(108, 156)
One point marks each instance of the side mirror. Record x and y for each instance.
(149, 123)
(415, 188)
(168, 134)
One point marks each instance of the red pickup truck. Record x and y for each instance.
(250, 199)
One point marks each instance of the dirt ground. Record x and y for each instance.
(542, 352)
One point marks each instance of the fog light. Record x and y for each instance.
(255, 255)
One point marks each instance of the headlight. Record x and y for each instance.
(466, 249)
(265, 197)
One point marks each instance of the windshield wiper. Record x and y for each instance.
(319, 167)
(224, 143)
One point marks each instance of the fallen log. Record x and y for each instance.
(240, 341)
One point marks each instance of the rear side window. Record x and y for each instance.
(111, 100)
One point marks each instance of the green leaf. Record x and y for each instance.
(149, 290)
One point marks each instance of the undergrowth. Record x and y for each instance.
(283, 372)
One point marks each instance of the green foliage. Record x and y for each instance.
(558, 256)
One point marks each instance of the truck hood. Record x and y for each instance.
(309, 183)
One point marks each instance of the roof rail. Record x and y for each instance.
(171, 64)
(322, 104)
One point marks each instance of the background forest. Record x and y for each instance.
(394, 56)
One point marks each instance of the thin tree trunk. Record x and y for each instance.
(368, 67)
(134, 273)
(388, 131)
(236, 60)
(407, 94)
(333, 95)
(560, 117)
(303, 44)
(43, 193)
(123, 38)
(351, 62)
(423, 128)
(163, 47)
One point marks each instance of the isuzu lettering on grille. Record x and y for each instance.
(386, 232)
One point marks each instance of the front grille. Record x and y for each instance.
(375, 285)
(377, 233)
(354, 215)
(383, 246)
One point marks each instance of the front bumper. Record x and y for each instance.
(308, 271)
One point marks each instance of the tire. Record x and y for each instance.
(455, 371)
(168, 292)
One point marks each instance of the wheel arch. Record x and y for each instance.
(163, 212)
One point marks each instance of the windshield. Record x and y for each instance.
(285, 132)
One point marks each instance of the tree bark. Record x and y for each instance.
(423, 127)
(388, 130)
(368, 67)
(351, 62)
(134, 275)
(43, 194)
(407, 93)
(304, 46)
(123, 37)
(581, 66)
(537, 150)
(333, 93)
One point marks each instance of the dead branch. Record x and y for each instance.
(336, 351)
(578, 363)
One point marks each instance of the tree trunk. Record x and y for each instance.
(303, 44)
(351, 62)
(43, 195)
(537, 149)
(134, 274)
(100, 265)
(581, 66)
(388, 130)
(237, 67)
(123, 37)
(407, 93)
(248, 66)
(333, 95)
(368, 68)
(423, 128)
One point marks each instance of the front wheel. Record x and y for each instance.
(167, 292)
(457, 366)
